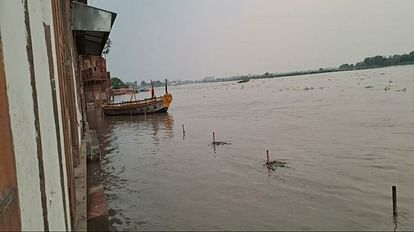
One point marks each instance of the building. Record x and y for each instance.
(95, 78)
(45, 47)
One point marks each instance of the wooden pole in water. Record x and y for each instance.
(267, 155)
(214, 137)
(183, 129)
(394, 200)
(152, 90)
(166, 90)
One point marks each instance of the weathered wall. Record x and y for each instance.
(58, 113)
(9, 200)
(44, 110)
(95, 78)
(40, 17)
(65, 78)
(77, 100)
(21, 110)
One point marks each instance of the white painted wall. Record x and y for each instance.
(40, 13)
(19, 91)
(22, 119)
(59, 106)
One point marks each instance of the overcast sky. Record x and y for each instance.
(192, 39)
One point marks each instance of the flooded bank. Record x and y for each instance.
(345, 145)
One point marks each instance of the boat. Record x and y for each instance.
(243, 81)
(145, 106)
(143, 90)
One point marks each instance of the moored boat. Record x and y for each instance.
(143, 89)
(243, 81)
(145, 106)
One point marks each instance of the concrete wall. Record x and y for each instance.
(19, 91)
(10, 217)
(56, 87)
(77, 103)
(36, 120)
(41, 114)
(40, 15)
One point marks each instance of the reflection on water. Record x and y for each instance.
(395, 220)
(345, 145)
(153, 123)
(119, 133)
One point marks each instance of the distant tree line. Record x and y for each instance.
(380, 61)
(117, 83)
(368, 62)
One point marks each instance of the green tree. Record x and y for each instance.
(345, 67)
(117, 83)
(405, 58)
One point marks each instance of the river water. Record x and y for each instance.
(345, 140)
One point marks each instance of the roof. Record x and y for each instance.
(91, 27)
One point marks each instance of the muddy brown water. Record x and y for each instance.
(345, 145)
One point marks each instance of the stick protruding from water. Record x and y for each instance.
(214, 138)
(267, 156)
(394, 200)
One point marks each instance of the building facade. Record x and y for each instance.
(42, 108)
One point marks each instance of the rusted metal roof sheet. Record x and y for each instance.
(92, 27)
(88, 18)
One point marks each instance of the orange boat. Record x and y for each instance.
(145, 106)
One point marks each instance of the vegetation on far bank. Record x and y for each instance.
(118, 84)
(380, 61)
(367, 63)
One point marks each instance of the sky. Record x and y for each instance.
(193, 39)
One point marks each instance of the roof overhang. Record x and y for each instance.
(92, 27)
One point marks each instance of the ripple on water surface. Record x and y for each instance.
(345, 146)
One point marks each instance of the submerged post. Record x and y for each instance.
(394, 200)
(152, 90)
(183, 129)
(267, 154)
(214, 137)
(166, 90)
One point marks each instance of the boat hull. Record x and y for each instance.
(243, 81)
(147, 106)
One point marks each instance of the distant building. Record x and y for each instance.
(207, 79)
